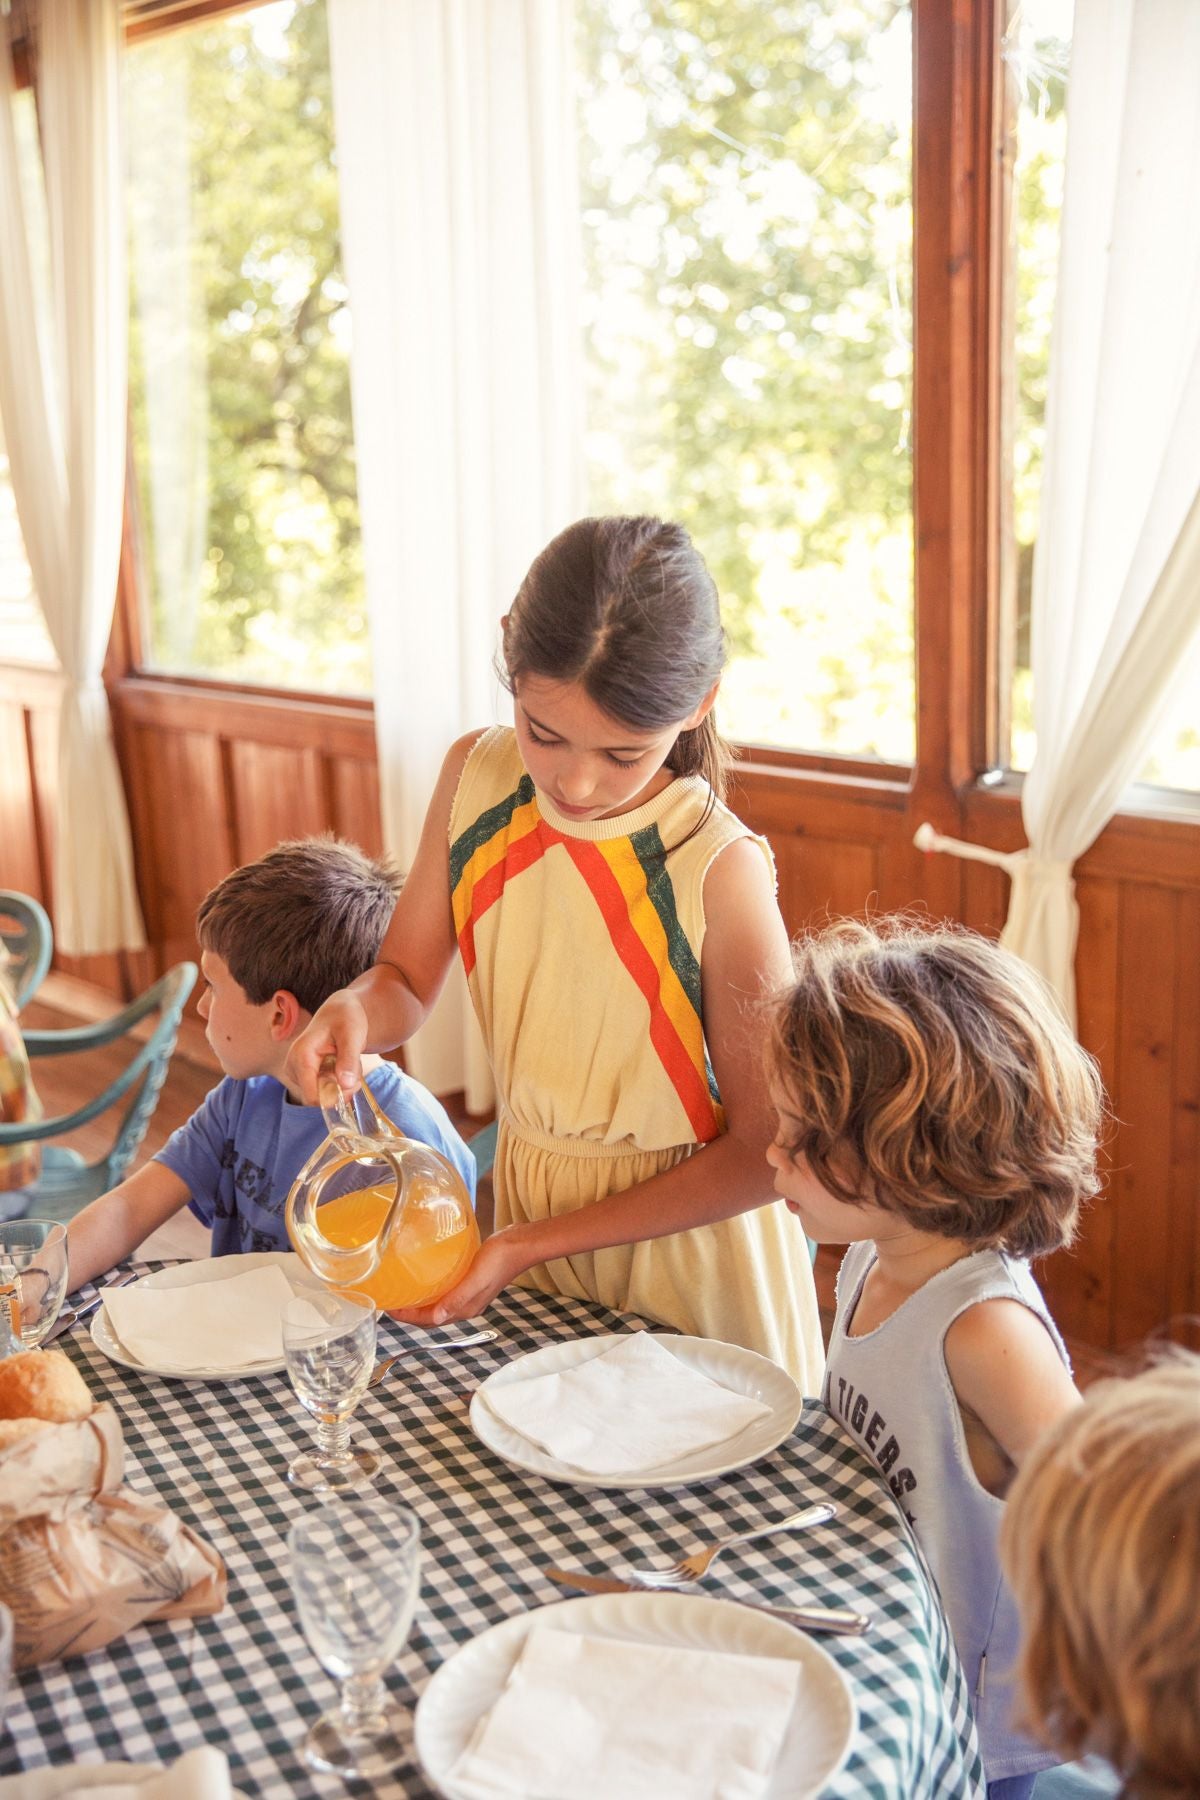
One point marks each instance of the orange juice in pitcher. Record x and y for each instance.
(420, 1262)
(379, 1213)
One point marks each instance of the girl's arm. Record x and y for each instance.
(1006, 1371)
(745, 953)
(386, 1005)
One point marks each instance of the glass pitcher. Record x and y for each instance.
(377, 1212)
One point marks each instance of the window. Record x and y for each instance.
(22, 628)
(248, 528)
(23, 633)
(1037, 57)
(748, 250)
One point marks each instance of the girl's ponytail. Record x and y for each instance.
(703, 751)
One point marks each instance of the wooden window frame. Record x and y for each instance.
(954, 480)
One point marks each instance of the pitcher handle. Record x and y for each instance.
(341, 1119)
(339, 1264)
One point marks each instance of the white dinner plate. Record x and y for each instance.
(742, 1371)
(213, 1268)
(819, 1734)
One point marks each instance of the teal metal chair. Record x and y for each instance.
(67, 1183)
(28, 940)
(483, 1148)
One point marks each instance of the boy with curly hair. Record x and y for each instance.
(937, 1115)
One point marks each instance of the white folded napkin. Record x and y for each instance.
(632, 1408)
(200, 1775)
(588, 1718)
(209, 1325)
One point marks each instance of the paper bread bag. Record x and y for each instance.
(83, 1559)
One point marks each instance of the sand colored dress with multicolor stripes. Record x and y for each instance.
(581, 943)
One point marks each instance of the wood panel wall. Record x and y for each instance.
(216, 777)
(1136, 1267)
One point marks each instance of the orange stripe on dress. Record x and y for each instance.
(519, 854)
(689, 1082)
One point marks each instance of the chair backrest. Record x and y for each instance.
(168, 998)
(28, 939)
(171, 994)
(138, 1084)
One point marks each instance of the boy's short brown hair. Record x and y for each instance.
(931, 1073)
(1101, 1543)
(308, 917)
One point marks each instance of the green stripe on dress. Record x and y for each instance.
(648, 847)
(497, 818)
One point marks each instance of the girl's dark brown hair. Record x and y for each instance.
(626, 608)
(931, 1073)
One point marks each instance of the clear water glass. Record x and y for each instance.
(33, 1281)
(356, 1569)
(329, 1349)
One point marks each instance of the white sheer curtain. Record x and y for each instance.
(168, 287)
(1116, 578)
(459, 199)
(62, 397)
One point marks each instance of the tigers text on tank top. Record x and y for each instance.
(892, 1390)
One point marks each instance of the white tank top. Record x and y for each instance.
(892, 1391)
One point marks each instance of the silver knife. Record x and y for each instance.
(65, 1320)
(835, 1619)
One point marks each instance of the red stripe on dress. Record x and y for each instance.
(689, 1082)
(518, 855)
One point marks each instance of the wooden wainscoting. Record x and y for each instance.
(216, 776)
(844, 848)
(1136, 1266)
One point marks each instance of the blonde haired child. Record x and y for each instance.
(614, 920)
(936, 1114)
(1101, 1543)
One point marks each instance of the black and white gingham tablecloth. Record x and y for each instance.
(246, 1681)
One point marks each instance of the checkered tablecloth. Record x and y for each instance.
(246, 1681)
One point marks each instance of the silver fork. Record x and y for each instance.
(691, 1568)
(383, 1369)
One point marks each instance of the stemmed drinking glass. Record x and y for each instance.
(355, 1578)
(329, 1349)
(33, 1280)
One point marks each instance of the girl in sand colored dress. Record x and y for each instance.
(617, 924)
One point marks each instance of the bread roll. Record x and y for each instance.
(43, 1384)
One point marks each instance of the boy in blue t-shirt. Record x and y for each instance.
(277, 936)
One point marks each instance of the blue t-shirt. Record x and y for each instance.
(240, 1152)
